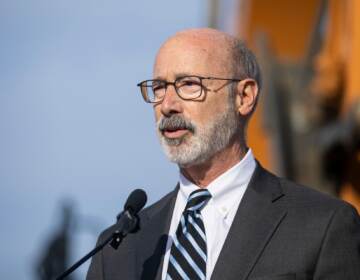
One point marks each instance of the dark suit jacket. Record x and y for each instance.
(281, 231)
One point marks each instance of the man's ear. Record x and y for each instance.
(246, 96)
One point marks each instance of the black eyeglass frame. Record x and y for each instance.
(166, 84)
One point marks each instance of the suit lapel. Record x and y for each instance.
(151, 243)
(260, 213)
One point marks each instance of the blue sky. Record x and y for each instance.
(72, 121)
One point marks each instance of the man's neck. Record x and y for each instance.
(203, 174)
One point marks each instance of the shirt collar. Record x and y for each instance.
(225, 189)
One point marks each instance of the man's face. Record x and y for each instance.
(192, 131)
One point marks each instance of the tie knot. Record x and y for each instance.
(197, 200)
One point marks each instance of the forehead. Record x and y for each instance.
(191, 56)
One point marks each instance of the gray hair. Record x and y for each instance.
(244, 65)
(244, 62)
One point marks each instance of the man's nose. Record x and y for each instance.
(171, 103)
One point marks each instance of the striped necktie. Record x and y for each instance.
(188, 252)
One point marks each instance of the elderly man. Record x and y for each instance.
(228, 218)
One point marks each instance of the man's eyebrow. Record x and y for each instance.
(184, 74)
(177, 76)
(159, 78)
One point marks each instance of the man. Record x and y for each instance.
(228, 218)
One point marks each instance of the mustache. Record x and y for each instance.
(175, 122)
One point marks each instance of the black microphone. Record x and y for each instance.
(135, 202)
(127, 221)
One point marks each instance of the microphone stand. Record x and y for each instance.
(126, 223)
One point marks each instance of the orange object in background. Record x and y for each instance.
(290, 29)
(287, 26)
(337, 72)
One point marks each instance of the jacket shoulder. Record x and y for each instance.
(305, 196)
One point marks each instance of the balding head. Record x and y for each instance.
(228, 53)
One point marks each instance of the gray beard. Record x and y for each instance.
(203, 142)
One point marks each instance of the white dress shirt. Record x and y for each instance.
(227, 191)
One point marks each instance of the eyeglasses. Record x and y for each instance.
(186, 87)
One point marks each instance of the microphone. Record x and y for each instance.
(127, 222)
(135, 202)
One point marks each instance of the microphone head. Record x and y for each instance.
(136, 201)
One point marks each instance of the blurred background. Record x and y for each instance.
(76, 137)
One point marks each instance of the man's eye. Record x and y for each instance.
(189, 83)
(158, 87)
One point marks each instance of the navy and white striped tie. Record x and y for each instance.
(188, 252)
